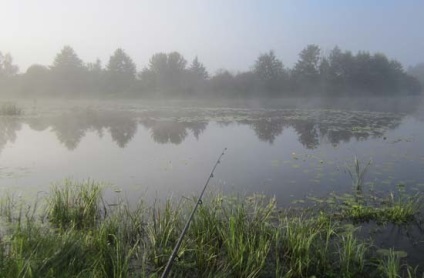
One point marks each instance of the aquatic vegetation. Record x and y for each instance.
(10, 109)
(229, 237)
(357, 174)
(74, 204)
(8, 205)
(352, 255)
(390, 262)
(393, 208)
(163, 232)
(302, 247)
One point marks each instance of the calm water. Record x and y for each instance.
(167, 151)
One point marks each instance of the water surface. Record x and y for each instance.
(157, 152)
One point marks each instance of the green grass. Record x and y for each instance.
(390, 263)
(74, 204)
(76, 235)
(357, 174)
(397, 208)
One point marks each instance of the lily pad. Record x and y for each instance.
(387, 252)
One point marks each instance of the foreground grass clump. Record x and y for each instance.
(77, 235)
(10, 109)
(74, 204)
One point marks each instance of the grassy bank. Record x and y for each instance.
(74, 233)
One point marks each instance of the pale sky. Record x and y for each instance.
(222, 33)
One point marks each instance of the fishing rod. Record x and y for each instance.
(180, 239)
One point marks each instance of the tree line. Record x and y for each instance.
(339, 73)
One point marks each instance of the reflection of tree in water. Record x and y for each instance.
(168, 132)
(336, 136)
(308, 134)
(360, 127)
(197, 128)
(314, 126)
(38, 124)
(267, 129)
(122, 129)
(173, 131)
(224, 123)
(70, 129)
(8, 128)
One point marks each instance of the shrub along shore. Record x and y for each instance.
(73, 232)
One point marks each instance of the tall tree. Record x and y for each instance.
(68, 72)
(155, 75)
(159, 63)
(417, 71)
(196, 78)
(176, 62)
(340, 71)
(121, 70)
(270, 72)
(324, 75)
(362, 72)
(36, 80)
(9, 82)
(177, 74)
(148, 82)
(245, 84)
(7, 68)
(306, 70)
(222, 82)
(169, 72)
(96, 77)
(120, 64)
(95, 67)
(198, 69)
(67, 61)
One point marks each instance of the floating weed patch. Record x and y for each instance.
(358, 212)
(398, 208)
(10, 109)
(389, 209)
(399, 213)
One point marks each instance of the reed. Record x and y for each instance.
(230, 236)
(75, 204)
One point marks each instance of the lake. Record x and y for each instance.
(158, 151)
